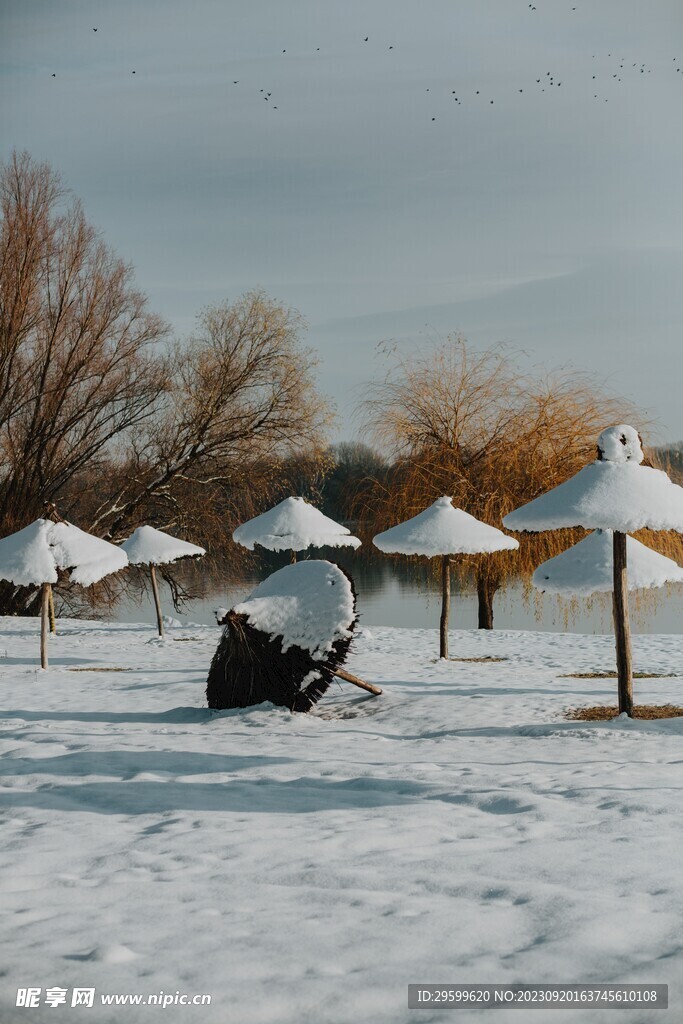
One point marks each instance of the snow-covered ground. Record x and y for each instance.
(306, 868)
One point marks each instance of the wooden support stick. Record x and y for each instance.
(445, 604)
(292, 556)
(51, 609)
(44, 622)
(347, 677)
(622, 625)
(157, 603)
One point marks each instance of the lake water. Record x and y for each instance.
(393, 594)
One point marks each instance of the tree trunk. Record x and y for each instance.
(157, 603)
(292, 556)
(44, 622)
(485, 596)
(622, 625)
(445, 604)
(51, 609)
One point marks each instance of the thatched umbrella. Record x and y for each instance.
(613, 493)
(150, 547)
(442, 530)
(33, 557)
(588, 568)
(286, 641)
(293, 526)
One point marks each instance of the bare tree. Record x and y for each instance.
(77, 369)
(242, 392)
(474, 426)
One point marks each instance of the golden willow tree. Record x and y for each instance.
(473, 426)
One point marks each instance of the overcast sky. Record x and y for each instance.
(371, 199)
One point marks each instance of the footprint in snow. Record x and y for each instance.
(113, 953)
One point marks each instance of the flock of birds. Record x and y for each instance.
(546, 81)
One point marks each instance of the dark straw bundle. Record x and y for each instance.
(249, 667)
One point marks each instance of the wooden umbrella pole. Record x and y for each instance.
(622, 625)
(445, 604)
(358, 682)
(44, 622)
(51, 609)
(157, 603)
(292, 556)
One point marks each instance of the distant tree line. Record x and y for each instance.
(670, 458)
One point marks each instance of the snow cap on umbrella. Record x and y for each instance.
(620, 444)
(442, 529)
(147, 546)
(33, 555)
(309, 605)
(587, 568)
(613, 493)
(293, 525)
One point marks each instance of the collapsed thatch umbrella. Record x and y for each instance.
(287, 640)
(33, 556)
(150, 547)
(614, 493)
(587, 568)
(294, 525)
(443, 530)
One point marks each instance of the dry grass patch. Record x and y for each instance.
(487, 658)
(601, 713)
(613, 675)
(101, 669)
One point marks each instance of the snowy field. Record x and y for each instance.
(307, 868)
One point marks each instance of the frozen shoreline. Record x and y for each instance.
(306, 868)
